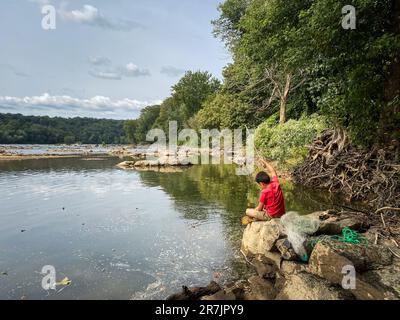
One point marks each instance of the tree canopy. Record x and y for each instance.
(19, 129)
(295, 56)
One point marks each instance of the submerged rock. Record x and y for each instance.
(160, 163)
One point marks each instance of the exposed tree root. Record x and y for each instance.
(371, 176)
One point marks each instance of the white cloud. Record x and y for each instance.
(108, 75)
(115, 73)
(132, 70)
(90, 15)
(172, 71)
(67, 103)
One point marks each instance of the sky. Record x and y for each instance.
(105, 58)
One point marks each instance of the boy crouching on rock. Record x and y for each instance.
(272, 203)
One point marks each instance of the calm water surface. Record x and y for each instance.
(123, 234)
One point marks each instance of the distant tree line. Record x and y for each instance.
(20, 129)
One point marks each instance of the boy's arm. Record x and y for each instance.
(271, 170)
(260, 207)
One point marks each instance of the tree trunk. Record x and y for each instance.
(282, 118)
(284, 98)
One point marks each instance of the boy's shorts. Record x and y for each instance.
(262, 216)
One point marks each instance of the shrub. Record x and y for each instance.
(287, 143)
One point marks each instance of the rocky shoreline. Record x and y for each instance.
(281, 275)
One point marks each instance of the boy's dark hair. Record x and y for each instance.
(263, 177)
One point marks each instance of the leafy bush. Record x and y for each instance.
(287, 143)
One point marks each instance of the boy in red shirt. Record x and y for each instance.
(272, 203)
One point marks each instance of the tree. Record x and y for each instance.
(187, 99)
(144, 124)
(130, 127)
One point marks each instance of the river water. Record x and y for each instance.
(123, 234)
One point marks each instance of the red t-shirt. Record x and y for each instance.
(272, 197)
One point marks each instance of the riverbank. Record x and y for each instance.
(39, 152)
(365, 267)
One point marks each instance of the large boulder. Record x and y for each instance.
(362, 257)
(330, 259)
(261, 237)
(304, 286)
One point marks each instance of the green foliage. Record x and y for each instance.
(343, 73)
(224, 111)
(348, 76)
(287, 143)
(130, 127)
(17, 129)
(227, 26)
(186, 100)
(143, 125)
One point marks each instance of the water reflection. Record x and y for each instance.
(123, 234)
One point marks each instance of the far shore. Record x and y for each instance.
(36, 157)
